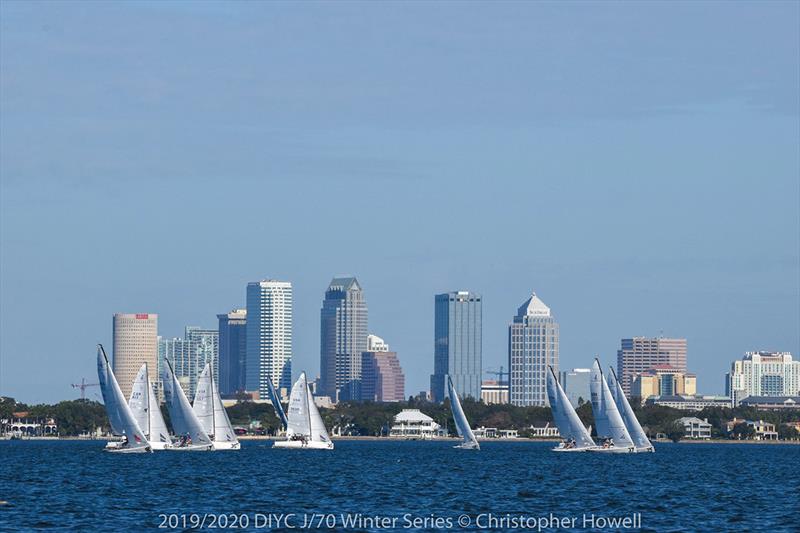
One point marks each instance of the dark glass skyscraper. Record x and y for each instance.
(232, 351)
(458, 342)
(343, 338)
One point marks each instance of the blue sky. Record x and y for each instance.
(636, 164)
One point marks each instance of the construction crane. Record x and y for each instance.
(499, 374)
(83, 386)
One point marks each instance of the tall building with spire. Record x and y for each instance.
(532, 346)
(458, 342)
(343, 338)
(269, 337)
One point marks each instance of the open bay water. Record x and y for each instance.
(75, 486)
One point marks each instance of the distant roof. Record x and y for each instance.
(344, 283)
(775, 400)
(533, 306)
(412, 415)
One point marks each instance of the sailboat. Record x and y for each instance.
(462, 426)
(640, 440)
(211, 413)
(305, 429)
(187, 427)
(119, 414)
(611, 430)
(276, 403)
(576, 437)
(144, 406)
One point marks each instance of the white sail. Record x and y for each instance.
(299, 420)
(158, 428)
(139, 401)
(607, 420)
(462, 425)
(203, 405)
(223, 429)
(638, 436)
(569, 424)
(318, 431)
(183, 419)
(117, 408)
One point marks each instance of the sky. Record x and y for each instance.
(637, 165)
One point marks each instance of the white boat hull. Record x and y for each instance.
(613, 449)
(560, 449)
(126, 449)
(303, 445)
(468, 446)
(227, 445)
(160, 446)
(191, 448)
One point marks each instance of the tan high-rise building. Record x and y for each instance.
(382, 378)
(663, 380)
(135, 342)
(638, 354)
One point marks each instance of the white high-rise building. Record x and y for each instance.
(135, 342)
(763, 374)
(189, 355)
(532, 346)
(269, 336)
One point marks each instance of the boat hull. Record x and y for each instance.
(227, 445)
(573, 450)
(191, 448)
(468, 446)
(613, 449)
(160, 446)
(301, 445)
(125, 449)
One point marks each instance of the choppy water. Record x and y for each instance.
(75, 486)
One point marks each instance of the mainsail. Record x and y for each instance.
(158, 428)
(183, 419)
(304, 419)
(119, 414)
(139, 401)
(638, 436)
(607, 419)
(209, 409)
(567, 420)
(462, 425)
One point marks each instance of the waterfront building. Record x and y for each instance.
(414, 424)
(268, 346)
(763, 374)
(638, 354)
(544, 432)
(575, 383)
(135, 342)
(662, 380)
(694, 428)
(458, 342)
(763, 430)
(494, 392)
(689, 402)
(382, 378)
(343, 339)
(532, 346)
(771, 402)
(232, 351)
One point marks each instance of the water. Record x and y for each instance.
(74, 486)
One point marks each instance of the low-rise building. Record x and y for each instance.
(485, 433)
(546, 431)
(20, 425)
(763, 430)
(663, 380)
(694, 428)
(494, 392)
(414, 424)
(508, 433)
(771, 402)
(690, 402)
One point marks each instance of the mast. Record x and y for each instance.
(308, 409)
(147, 399)
(213, 415)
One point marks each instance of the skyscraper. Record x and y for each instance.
(458, 319)
(343, 338)
(269, 336)
(189, 355)
(763, 374)
(576, 385)
(135, 342)
(382, 378)
(532, 346)
(232, 351)
(638, 354)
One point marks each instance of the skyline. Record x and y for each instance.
(637, 181)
